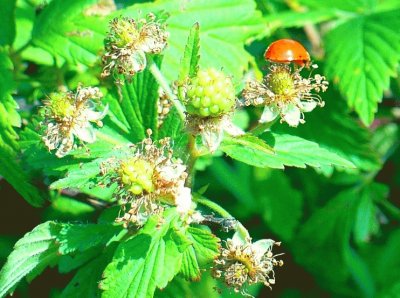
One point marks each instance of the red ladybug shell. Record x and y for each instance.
(287, 50)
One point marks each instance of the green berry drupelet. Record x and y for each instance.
(210, 94)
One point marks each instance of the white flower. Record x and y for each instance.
(68, 118)
(149, 179)
(286, 94)
(129, 40)
(244, 263)
(212, 130)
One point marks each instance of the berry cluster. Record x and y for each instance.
(210, 94)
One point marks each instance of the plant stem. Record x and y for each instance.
(262, 127)
(167, 89)
(193, 155)
(221, 211)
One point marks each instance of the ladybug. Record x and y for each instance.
(286, 51)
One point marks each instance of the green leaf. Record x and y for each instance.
(200, 254)
(173, 127)
(367, 221)
(80, 176)
(10, 168)
(31, 255)
(322, 251)
(145, 262)
(86, 281)
(280, 150)
(7, 16)
(298, 19)
(278, 202)
(335, 130)
(63, 28)
(80, 237)
(226, 25)
(190, 60)
(355, 5)
(138, 99)
(361, 63)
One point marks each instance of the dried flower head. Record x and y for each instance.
(67, 118)
(129, 40)
(243, 263)
(148, 178)
(285, 92)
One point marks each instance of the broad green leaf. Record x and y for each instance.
(10, 168)
(203, 250)
(367, 221)
(145, 262)
(361, 63)
(75, 238)
(322, 251)
(7, 16)
(138, 99)
(190, 60)
(80, 176)
(86, 280)
(354, 5)
(279, 203)
(280, 150)
(32, 254)
(298, 19)
(333, 129)
(226, 25)
(361, 274)
(236, 179)
(65, 29)
(173, 127)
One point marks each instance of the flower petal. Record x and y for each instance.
(260, 247)
(85, 134)
(183, 200)
(270, 113)
(291, 114)
(308, 106)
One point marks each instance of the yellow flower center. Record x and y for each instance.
(61, 105)
(281, 83)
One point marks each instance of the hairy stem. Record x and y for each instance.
(222, 212)
(167, 89)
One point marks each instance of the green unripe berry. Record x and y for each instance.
(210, 94)
(137, 175)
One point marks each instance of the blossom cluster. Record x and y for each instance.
(68, 117)
(148, 178)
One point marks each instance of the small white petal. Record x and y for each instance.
(171, 172)
(308, 106)
(269, 114)
(138, 61)
(262, 246)
(238, 239)
(95, 116)
(85, 134)
(291, 114)
(232, 129)
(183, 200)
(212, 139)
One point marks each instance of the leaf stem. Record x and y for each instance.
(221, 211)
(262, 127)
(167, 89)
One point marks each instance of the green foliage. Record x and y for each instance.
(326, 188)
(31, 255)
(363, 62)
(279, 151)
(146, 262)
